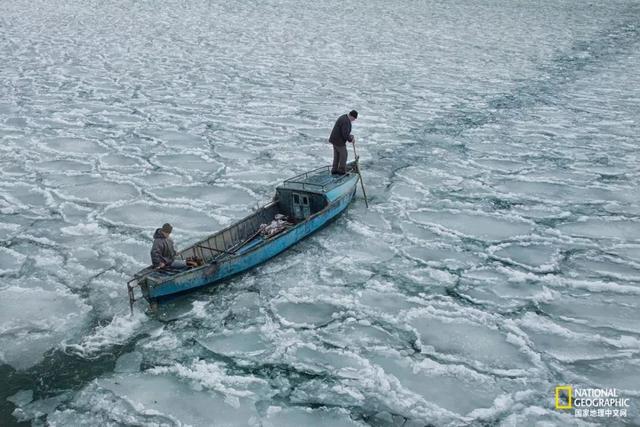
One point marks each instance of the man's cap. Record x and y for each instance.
(354, 114)
(167, 228)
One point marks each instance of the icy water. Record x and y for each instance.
(499, 258)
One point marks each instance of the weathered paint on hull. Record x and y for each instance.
(210, 274)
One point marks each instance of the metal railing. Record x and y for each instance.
(302, 179)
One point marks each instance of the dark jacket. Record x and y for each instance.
(162, 250)
(341, 132)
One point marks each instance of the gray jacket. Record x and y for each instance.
(341, 132)
(162, 250)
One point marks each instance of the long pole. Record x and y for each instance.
(364, 193)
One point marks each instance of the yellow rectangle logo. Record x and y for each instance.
(569, 390)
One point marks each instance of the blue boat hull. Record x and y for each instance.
(215, 272)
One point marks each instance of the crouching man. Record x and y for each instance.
(163, 253)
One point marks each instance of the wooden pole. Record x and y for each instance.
(364, 193)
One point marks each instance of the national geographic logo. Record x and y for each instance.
(592, 402)
(564, 397)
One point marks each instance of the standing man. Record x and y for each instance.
(340, 134)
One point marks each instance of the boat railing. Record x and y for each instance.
(302, 180)
(226, 241)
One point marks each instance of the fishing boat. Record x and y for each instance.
(302, 205)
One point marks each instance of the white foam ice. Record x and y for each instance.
(161, 342)
(120, 329)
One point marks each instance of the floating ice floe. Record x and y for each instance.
(207, 194)
(539, 257)
(248, 343)
(189, 162)
(296, 416)
(571, 343)
(151, 215)
(603, 228)
(128, 362)
(87, 229)
(100, 190)
(10, 261)
(74, 146)
(35, 320)
(475, 225)
(305, 314)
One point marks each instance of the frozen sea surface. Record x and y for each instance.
(500, 256)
